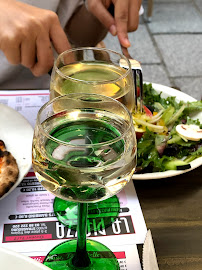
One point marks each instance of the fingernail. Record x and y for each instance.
(127, 43)
(112, 30)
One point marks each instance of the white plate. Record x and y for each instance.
(167, 91)
(17, 134)
(13, 260)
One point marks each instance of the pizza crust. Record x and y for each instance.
(8, 170)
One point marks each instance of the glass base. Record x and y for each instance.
(101, 257)
(100, 215)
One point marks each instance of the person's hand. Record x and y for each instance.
(28, 35)
(126, 16)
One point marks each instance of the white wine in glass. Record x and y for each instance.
(93, 70)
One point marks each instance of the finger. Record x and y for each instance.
(121, 18)
(28, 53)
(44, 55)
(12, 53)
(104, 16)
(133, 17)
(59, 38)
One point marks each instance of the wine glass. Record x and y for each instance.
(93, 70)
(84, 151)
(97, 71)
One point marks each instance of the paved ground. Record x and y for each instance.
(170, 46)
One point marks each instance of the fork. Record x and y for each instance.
(137, 73)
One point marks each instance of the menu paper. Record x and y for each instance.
(26, 102)
(28, 223)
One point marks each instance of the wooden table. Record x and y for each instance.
(172, 209)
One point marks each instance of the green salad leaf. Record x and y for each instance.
(160, 152)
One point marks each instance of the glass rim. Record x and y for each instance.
(91, 82)
(47, 135)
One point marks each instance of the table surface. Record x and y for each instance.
(172, 209)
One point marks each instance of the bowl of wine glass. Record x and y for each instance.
(93, 70)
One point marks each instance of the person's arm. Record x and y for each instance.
(125, 19)
(28, 34)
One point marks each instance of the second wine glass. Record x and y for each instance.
(95, 71)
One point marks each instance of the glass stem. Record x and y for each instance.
(81, 258)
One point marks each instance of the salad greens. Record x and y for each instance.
(167, 150)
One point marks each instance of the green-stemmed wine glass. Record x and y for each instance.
(97, 71)
(84, 151)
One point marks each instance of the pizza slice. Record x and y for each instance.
(8, 170)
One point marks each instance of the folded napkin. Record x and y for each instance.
(149, 260)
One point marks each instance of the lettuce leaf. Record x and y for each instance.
(148, 158)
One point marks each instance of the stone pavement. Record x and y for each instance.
(170, 46)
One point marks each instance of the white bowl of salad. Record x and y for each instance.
(169, 133)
